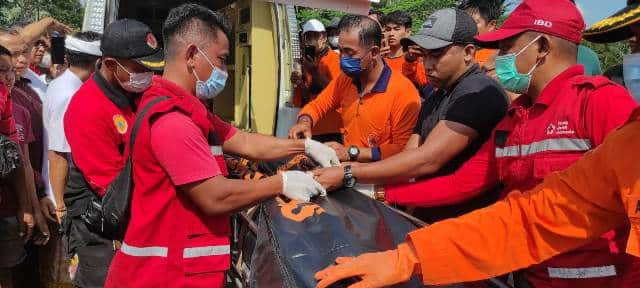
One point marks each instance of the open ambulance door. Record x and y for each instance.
(264, 47)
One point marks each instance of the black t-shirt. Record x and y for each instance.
(476, 101)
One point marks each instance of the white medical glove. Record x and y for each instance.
(321, 153)
(297, 185)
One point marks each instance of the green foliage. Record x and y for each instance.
(610, 54)
(69, 12)
(418, 9)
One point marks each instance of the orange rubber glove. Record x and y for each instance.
(375, 269)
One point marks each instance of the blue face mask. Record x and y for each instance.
(351, 66)
(508, 74)
(631, 72)
(212, 87)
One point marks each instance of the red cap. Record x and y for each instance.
(559, 18)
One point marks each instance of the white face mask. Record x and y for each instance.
(631, 73)
(333, 41)
(138, 82)
(46, 61)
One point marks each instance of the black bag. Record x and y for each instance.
(296, 241)
(9, 157)
(110, 215)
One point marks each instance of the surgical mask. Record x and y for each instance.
(631, 72)
(508, 74)
(333, 41)
(138, 82)
(212, 87)
(46, 61)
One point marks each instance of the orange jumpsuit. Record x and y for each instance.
(414, 71)
(569, 209)
(329, 66)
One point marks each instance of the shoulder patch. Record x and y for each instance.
(120, 123)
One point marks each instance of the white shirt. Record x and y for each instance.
(37, 84)
(55, 105)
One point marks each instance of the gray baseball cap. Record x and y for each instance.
(443, 28)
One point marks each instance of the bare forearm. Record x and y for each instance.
(25, 184)
(34, 30)
(271, 148)
(265, 148)
(219, 196)
(399, 168)
(58, 171)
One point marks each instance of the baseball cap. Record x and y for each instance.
(131, 39)
(559, 18)
(443, 28)
(313, 25)
(335, 22)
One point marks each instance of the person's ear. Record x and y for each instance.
(375, 51)
(408, 32)
(110, 63)
(189, 56)
(492, 25)
(469, 53)
(544, 48)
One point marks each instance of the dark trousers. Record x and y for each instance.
(94, 253)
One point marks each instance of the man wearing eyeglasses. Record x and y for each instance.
(453, 122)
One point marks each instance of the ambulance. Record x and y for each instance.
(264, 47)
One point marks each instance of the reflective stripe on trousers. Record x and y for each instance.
(548, 145)
(582, 273)
(192, 252)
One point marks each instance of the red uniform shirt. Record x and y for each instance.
(167, 231)
(96, 125)
(606, 109)
(7, 121)
(532, 141)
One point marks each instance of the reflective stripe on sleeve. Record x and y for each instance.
(206, 251)
(144, 251)
(582, 273)
(549, 145)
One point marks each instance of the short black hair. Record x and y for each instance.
(487, 9)
(369, 33)
(4, 51)
(376, 12)
(399, 18)
(192, 20)
(79, 59)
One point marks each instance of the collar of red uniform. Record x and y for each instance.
(552, 90)
(168, 88)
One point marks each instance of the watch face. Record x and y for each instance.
(350, 182)
(353, 151)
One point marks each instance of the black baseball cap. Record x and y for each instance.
(443, 28)
(132, 39)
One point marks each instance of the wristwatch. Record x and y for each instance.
(349, 180)
(354, 152)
